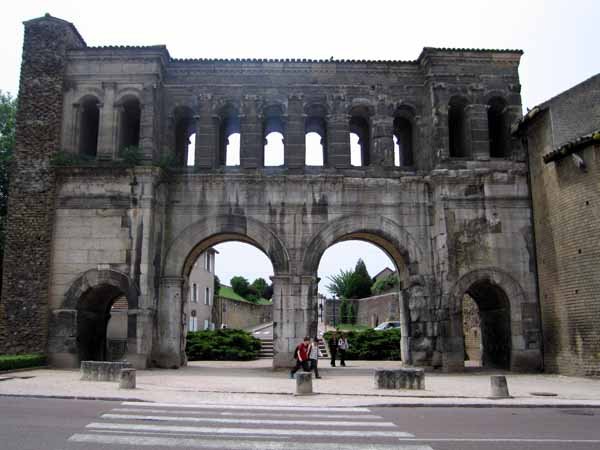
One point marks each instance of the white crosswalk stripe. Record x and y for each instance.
(242, 427)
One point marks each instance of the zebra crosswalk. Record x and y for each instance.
(242, 427)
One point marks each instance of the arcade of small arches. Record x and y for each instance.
(227, 127)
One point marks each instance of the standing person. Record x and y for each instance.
(301, 355)
(313, 356)
(333, 342)
(342, 347)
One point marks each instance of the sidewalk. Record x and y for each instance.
(256, 383)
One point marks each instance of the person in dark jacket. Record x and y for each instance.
(333, 341)
(301, 354)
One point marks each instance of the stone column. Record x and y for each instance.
(382, 154)
(295, 315)
(207, 135)
(338, 140)
(295, 136)
(477, 131)
(168, 353)
(76, 128)
(252, 142)
(147, 123)
(106, 143)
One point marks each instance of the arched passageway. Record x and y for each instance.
(489, 328)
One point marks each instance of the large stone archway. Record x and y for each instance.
(181, 255)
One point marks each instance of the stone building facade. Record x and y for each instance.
(239, 314)
(451, 208)
(563, 141)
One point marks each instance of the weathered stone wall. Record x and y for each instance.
(241, 315)
(567, 229)
(26, 278)
(372, 311)
(447, 222)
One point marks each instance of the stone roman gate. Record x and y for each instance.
(104, 203)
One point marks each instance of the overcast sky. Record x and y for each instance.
(560, 40)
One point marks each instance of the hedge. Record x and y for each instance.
(221, 345)
(372, 344)
(11, 362)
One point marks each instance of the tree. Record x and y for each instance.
(360, 284)
(339, 283)
(268, 293)
(344, 309)
(216, 286)
(8, 112)
(240, 286)
(352, 314)
(260, 285)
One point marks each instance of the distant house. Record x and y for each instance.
(199, 306)
(384, 273)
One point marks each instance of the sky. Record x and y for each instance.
(559, 40)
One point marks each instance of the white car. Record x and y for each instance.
(387, 325)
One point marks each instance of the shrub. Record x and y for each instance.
(372, 345)
(11, 362)
(240, 286)
(221, 345)
(131, 155)
(65, 159)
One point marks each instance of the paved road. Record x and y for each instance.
(35, 424)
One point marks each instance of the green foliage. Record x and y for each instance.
(11, 362)
(351, 283)
(260, 285)
(372, 345)
(131, 155)
(8, 114)
(385, 284)
(222, 345)
(65, 159)
(339, 283)
(216, 286)
(167, 161)
(240, 286)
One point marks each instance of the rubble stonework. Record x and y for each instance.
(454, 216)
(563, 140)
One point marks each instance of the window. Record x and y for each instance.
(207, 262)
(359, 141)
(193, 323)
(194, 293)
(89, 121)
(457, 133)
(315, 131)
(498, 128)
(403, 142)
(185, 136)
(273, 132)
(206, 324)
(229, 137)
(207, 296)
(129, 131)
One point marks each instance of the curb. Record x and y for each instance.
(77, 397)
(23, 369)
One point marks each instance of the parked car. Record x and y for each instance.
(387, 325)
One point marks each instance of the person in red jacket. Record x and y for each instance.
(301, 355)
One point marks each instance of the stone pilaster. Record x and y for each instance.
(382, 154)
(295, 136)
(140, 324)
(24, 305)
(252, 143)
(169, 348)
(338, 140)
(207, 135)
(107, 124)
(295, 315)
(477, 131)
(147, 128)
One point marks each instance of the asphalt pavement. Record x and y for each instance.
(52, 424)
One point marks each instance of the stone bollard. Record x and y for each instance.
(304, 383)
(404, 378)
(499, 387)
(127, 379)
(102, 370)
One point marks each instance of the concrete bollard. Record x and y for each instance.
(127, 379)
(499, 387)
(404, 378)
(304, 383)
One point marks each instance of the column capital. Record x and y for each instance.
(171, 281)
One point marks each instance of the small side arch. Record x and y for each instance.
(95, 278)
